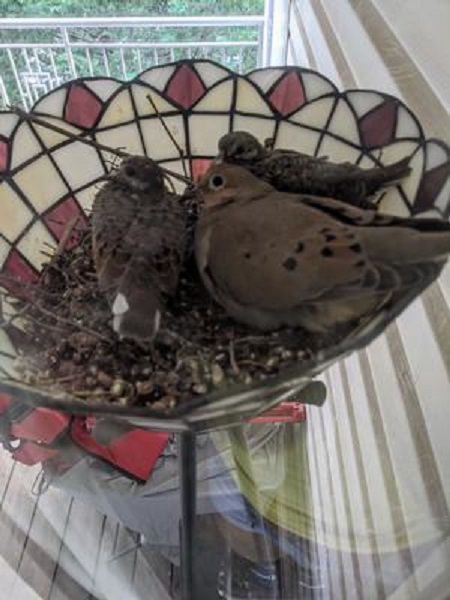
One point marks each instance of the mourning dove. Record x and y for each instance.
(274, 259)
(138, 243)
(291, 171)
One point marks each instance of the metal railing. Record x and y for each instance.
(37, 55)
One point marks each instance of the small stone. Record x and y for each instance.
(172, 378)
(123, 401)
(135, 370)
(105, 380)
(199, 388)
(217, 374)
(90, 382)
(118, 388)
(248, 379)
(144, 388)
(169, 401)
(158, 405)
(287, 354)
(271, 362)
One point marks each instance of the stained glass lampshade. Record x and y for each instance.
(46, 179)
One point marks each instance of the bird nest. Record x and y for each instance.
(204, 369)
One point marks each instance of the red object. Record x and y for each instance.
(82, 107)
(19, 269)
(199, 167)
(5, 402)
(135, 452)
(32, 434)
(41, 425)
(378, 125)
(59, 217)
(288, 95)
(3, 155)
(185, 87)
(30, 453)
(286, 412)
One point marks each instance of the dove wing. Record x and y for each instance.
(156, 237)
(281, 254)
(284, 251)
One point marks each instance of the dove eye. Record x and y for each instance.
(130, 171)
(217, 182)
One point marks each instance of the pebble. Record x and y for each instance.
(217, 374)
(169, 401)
(105, 380)
(199, 388)
(118, 388)
(144, 388)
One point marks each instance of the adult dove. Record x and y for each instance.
(274, 259)
(138, 244)
(291, 171)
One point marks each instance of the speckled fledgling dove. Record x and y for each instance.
(274, 259)
(291, 171)
(138, 230)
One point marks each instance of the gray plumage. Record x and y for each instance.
(138, 230)
(294, 172)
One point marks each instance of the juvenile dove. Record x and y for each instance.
(274, 259)
(291, 171)
(138, 243)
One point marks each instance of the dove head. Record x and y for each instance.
(240, 147)
(223, 184)
(141, 174)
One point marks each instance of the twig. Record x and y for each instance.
(8, 376)
(69, 134)
(88, 393)
(66, 236)
(7, 323)
(60, 319)
(79, 138)
(169, 133)
(232, 355)
(170, 183)
(252, 363)
(8, 355)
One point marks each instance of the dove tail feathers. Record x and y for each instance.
(404, 245)
(381, 176)
(136, 314)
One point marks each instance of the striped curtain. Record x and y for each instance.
(379, 450)
(360, 498)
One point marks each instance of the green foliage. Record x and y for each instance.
(94, 63)
(115, 8)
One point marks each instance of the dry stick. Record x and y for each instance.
(232, 355)
(60, 319)
(72, 136)
(66, 236)
(169, 133)
(7, 376)
(8, 354)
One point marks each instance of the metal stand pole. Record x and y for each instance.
(188, 482)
